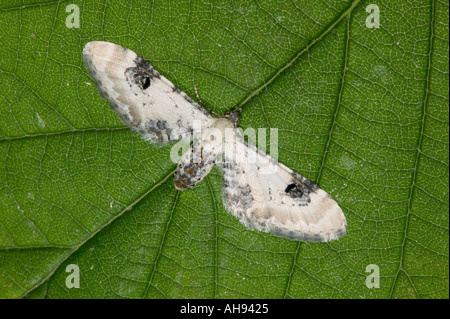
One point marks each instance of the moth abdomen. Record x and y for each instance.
(191, 173)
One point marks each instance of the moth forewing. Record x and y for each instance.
(145, 100)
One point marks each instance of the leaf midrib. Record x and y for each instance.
(87, 239)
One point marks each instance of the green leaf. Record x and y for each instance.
(361, 111)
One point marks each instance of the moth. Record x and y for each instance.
(283, 203)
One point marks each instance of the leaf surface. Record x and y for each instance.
(361, 111)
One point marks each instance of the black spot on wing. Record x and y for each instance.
(139, 77)
(141, 74)
(294, 190)
(300, 188)
(145, 83)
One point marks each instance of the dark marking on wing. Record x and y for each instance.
(142, 74)
(161, 124)
(306, 183)
(189, 99)
(140, 77)
(142, 64)
(300, 188)
(145, 83)
(175, 89)
(294, 190)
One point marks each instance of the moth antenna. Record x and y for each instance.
(203, 104)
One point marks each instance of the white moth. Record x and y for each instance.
(283, 203)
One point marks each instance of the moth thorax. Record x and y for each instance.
(222, 123)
